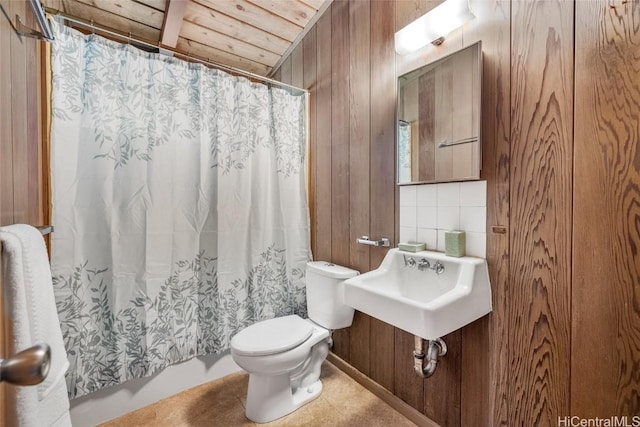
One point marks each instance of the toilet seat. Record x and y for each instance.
(272, 336)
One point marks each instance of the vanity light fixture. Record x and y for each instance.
(433, 26)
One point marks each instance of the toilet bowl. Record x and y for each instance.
(283, 355)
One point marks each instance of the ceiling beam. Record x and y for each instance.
(172, 23)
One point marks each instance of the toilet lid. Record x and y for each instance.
(272, 336)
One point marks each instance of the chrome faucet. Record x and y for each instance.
(409, 261)
(438, 268)
(424, 264)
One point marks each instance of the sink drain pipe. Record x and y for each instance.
(437, 348)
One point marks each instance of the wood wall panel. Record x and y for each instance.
(297, 62)
(340, 119)
(20, 152)
(605, 354)
(532, 359)
(556, 305)
(382, 179)
(407, 385)
(6, 145)
(541, 211)
(285, 71)
(18, 100)
(340, 247)
(277, 75)
(442, 389)
(309, 72)
(323, 150)
(485, 357)
(359, 154)
(34, 186)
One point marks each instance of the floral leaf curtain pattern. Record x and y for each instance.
(179, 202)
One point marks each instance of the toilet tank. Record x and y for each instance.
(325, 294)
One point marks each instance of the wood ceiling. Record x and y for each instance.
(252, 35)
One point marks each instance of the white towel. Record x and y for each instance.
(32, 309)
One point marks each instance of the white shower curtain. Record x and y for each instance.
(179, 207)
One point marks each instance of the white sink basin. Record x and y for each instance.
(422, 302)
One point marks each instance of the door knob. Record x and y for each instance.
(29, 367)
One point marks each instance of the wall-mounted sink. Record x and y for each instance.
(425, 293)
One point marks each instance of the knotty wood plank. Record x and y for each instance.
(485, 357)
(541, 212)
(128, 9)
(442, 389)
(6, 145)
(323, 145)
(316, 4)
(292, 10)
(408, 386)
(172, 22)
(256, 16)
(156, 4)
(310, 55)
(108, 19)
(605, 356)
(220, 56)
(359, 173)
(382, 180)
(340, 191)
(228, 44)
(221, 23)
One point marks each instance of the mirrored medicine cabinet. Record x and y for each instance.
(438, 129)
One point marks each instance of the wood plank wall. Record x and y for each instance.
(562, 217)
(541, 159)
(605, 315)
(560, 155)
(21, 172)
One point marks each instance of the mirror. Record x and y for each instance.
(438, 131)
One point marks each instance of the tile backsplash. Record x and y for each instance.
(428, 210)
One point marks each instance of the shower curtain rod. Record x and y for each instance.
(158, 45)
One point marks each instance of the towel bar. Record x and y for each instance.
(45, 229)
(364, 240)
(458, 142)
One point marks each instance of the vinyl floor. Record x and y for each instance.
(343, 402)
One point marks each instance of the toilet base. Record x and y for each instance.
(271, 397)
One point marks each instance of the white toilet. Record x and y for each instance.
(283, 355)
